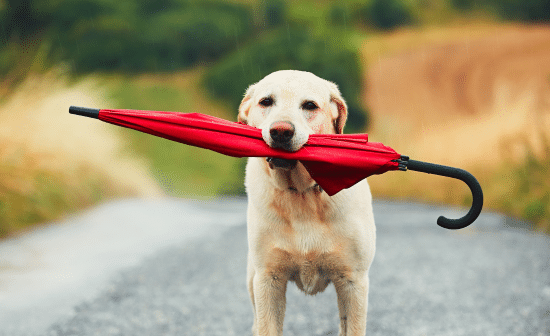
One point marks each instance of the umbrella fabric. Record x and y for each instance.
(334, 161)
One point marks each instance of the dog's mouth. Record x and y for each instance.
(281, 163)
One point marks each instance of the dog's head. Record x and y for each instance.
(289, 105)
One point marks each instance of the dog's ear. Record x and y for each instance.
(340, 113)
(246, 104)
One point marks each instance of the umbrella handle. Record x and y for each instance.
(469, 179)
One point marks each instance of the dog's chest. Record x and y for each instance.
(307, 237)
(305, 222)
(312, 258)
(307, 245)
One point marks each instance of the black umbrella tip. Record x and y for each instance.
(84, 111)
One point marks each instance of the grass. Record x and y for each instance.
(523, 190)
(47, 195)
(53, 164)
(33, 194)
(181, 170)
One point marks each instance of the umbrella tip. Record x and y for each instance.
(84, 111)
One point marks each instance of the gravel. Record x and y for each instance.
(492, 278)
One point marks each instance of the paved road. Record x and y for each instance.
(175, 267)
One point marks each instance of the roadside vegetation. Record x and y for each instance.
(52, 164)
(525, 192)
(192, 55)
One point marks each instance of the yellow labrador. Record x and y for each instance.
(296, 231)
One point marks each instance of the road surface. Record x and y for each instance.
(177, 267)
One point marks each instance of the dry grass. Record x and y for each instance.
(52, 162)
(477, 99)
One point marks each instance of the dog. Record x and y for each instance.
(296, 232)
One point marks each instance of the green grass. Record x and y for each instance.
(181, 170)
(526, 190)
(164, 97)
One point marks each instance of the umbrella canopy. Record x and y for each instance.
(334, 161)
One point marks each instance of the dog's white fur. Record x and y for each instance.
(296, 231)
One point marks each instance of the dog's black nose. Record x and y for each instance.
(281, 132)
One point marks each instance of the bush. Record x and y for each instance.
(339, 14)
(524, 10)
(274, 13)
(9, 56)
(294, 49)
(534, 11)
(386, 14)
(463, 5)
(194, 35)
(147, 36)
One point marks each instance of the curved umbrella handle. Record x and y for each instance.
(469, 179)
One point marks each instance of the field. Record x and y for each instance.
(474, 96)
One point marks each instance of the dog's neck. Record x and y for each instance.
(295, 180)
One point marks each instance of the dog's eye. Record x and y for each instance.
(310, 106)
(266, 102)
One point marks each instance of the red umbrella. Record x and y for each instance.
(334, 161)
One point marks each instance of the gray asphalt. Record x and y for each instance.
(492, 278)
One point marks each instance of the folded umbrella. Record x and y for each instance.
(334, 161)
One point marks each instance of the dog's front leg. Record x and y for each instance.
(269, 303)
(352, 294)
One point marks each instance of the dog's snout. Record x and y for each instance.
(281, 132)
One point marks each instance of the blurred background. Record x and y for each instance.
(456, 82)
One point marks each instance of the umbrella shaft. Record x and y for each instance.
(84, 111)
